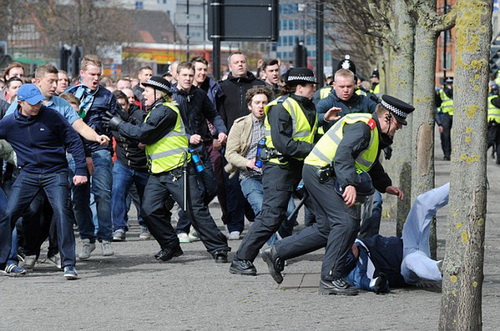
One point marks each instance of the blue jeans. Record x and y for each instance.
(13, 250)
(123, 178)
(363, 274)
(24, 190)
(101, 183)
(254, 193)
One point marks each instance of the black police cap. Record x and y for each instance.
(398, 108)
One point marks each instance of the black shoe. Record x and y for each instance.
(337, 286)
(220, 257)
(446, 158)
(381, 285)
(166, 254)
(242, 267)
(274, 263)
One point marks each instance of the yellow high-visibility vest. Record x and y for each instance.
(446, 103)
(301, 129)
(171, 151)
(493, 112)
(325, 149)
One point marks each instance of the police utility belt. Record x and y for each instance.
(268, 153)
(325, 173)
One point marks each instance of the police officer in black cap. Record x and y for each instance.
(173, 176)
(338, 174)
(290, 133)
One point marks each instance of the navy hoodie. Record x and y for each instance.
(41, 141)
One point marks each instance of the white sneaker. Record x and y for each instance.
(193, 236)
(87, 249)
(144, 234)
(183, 238)
(54, 260)
(234, 235)
(106, 248)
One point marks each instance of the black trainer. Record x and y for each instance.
(381, 285)
(336, 286)
(166, 254)
(220, 257)
(242, 267)
(274, 263)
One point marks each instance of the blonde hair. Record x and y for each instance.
(90, 59)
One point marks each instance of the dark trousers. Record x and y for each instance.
(207, 185)
(38, 226)
(160, 188)
(217, 161)
(494, 139)
(279, 183)
(24, 190)
(446, 123)
(336, 228)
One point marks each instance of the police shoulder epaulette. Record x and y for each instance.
(282, 98)
(372, 124)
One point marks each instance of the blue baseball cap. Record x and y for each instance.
(30, 93)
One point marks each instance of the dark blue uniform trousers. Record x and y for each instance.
(279, 183)
(336, 228)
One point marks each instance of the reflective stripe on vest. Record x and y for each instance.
(325, 149)
(301, 129)
(493, 112)
(323, 93)
(446, 103)
(171, 151)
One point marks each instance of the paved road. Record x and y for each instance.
(131, 291)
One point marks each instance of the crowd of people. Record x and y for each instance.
(81, 152)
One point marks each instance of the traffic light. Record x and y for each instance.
(70, 58)
(299, 54)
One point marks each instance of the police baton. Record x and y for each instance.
(305, 195)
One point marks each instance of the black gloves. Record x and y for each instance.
(388, 152)
(112, 121)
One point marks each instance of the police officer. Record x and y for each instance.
(445, 116)
(338, 174)
(290, 131)
(164, 135)
(494, 122)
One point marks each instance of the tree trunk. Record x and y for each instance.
(463, 265)
(401, 86)
(424, 101)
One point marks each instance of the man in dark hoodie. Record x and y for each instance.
(234, 106)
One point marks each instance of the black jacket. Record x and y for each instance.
(282, 130)
(196, 108)
(356, 139)
(233, 102)
(127, 150)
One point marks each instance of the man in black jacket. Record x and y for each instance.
(233, 106)
(196, 108)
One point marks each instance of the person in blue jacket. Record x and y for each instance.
(379, 263)
(40, 137)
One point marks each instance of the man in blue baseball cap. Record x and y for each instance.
(41, 156)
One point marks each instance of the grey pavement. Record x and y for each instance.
(131, 291)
